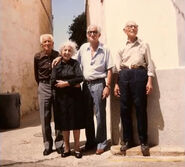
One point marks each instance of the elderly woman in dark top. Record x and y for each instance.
(65, 80)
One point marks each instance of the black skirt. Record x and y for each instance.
(68, 109)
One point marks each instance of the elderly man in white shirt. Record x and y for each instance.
(96, 63)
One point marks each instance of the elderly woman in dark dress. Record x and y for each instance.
(65, 80)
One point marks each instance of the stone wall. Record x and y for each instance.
(22, 23)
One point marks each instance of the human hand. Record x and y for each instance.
(106, 92)
(61, 84)
(56, 61)
(149, 86)
(116, 90)
(77, 86)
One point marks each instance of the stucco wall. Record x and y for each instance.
(165, 111)
(22, 22)
(162, 25)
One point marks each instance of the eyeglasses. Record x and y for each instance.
(92, 32)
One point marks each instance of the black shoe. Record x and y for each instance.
(47, 152)
(126, 146)
(78, 154)
(145, 149)
(66, 154)
(60, 150)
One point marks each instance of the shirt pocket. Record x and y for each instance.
(99, 59)
(142, 51)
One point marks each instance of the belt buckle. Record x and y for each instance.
(125, 67)
(134, 66)
(92, 81)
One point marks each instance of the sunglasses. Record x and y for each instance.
(92, 32)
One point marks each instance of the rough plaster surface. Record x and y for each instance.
(165, 111)
(162, 25)
(22, 23)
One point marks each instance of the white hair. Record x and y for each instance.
(45, 35)
(130, 22)
(97, 27)
(70, 43)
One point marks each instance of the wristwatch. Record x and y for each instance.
(108, 86)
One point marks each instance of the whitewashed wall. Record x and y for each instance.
(162, 25)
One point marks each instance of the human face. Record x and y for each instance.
(47, 44)
(66, 53)
(93, 34)
(131, 31)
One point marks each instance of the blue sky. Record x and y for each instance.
(64, 11)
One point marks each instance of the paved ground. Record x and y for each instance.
(23, 147)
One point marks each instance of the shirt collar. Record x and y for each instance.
(100, 46)
(43, 54)
(137, 41)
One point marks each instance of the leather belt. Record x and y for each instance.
(95, 81)
(133, 67)
(45, 81)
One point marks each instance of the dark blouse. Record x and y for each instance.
(69, 71)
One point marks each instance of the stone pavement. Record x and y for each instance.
(23, 147)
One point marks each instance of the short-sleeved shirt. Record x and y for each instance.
(96, 66)
(137, 53)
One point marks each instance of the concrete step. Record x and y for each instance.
(154, 151)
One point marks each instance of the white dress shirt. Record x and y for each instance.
(96, 66)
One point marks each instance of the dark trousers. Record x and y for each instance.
(45, 96)
(132, 83)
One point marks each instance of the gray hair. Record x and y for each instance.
(70, 43)
(46, 35)
(97, 27)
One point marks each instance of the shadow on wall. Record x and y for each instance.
(116, 127)
(155, 118)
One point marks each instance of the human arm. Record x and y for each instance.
(150, 65)
(53, 77)
(56, 61)
(150, 70)
(116, 86)
(78, 76)
(36, 70)
(149, 85)
(73, 76)
(61, 84)
(55, 82)
(116, 72)
(106, 90)
(109, 65)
